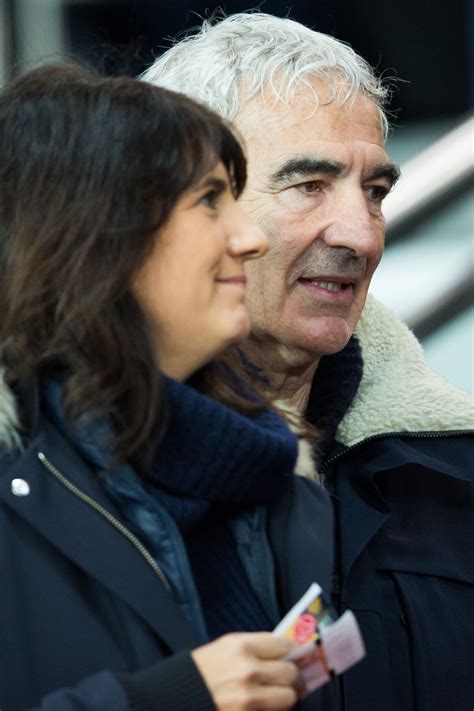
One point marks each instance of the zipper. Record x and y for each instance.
(108, 516)
(389, 435)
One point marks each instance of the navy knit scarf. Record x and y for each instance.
(212, 463)
(213, 456)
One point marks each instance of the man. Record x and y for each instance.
(395, 437)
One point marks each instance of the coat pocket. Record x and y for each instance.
(439, 613)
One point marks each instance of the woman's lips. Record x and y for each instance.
(239, 281)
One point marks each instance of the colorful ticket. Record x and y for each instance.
(326, 644)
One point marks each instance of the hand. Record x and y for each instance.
(245, 671)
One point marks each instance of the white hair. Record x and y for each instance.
(226, 63)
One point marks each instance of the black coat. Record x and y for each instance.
(79, 598)
(401, 473)
(406, 529)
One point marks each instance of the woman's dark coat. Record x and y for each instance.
(81, 600)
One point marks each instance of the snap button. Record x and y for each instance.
(20, 487)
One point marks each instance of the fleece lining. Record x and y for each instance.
(398, 392)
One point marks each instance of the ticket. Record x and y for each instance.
(326, 644)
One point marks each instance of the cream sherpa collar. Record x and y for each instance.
(398, 391)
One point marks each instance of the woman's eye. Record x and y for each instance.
(210, 199)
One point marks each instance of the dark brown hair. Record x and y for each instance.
(90, 168)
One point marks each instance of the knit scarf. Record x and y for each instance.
(333, 389)
(211, 464)
(211, 456)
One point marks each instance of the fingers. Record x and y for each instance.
(263, 645)
(255, 698)
(276, 698)
(277, 673)
(246, 671)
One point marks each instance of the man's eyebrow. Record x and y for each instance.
(296, 168)
(390, 171)
(304, 168)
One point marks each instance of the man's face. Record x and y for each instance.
(315, 186)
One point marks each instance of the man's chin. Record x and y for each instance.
(319, 337)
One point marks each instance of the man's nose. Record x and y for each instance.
(246, 239)
(352, 224)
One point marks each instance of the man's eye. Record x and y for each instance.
(310, 187)
(377, 192)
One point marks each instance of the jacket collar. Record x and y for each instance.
(74, 514)
(398, 392)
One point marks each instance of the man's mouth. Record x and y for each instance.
(328, 285)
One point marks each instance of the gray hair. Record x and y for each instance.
(266, 51)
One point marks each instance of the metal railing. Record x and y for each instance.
(438, 171)
(428, 180)
(444, 307)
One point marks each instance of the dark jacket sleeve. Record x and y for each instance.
(171, 683)
(95, 693)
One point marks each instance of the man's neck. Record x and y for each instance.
(289, 375)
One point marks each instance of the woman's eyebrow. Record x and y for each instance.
(211, 182)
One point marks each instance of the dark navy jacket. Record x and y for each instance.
(406, 532)
(80, 599)
(401, 474)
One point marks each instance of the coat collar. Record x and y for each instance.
(84, 533)
(398, 392)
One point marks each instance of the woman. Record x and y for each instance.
(148, 503)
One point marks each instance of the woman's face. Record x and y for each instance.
(192, 286)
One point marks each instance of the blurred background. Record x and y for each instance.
(427, 273)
